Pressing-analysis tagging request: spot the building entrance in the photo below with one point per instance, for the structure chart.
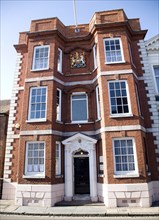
(81, 175)
(80, 167)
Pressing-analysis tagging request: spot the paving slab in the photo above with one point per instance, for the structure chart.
(67, 210)
(144, 211)
(11, 208)
(30, 210)
(90, 210)
(116, 211)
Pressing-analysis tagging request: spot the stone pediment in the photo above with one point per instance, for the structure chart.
(78, 137)
(153, 43)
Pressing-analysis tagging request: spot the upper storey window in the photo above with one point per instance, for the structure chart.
(37, 104)
(95, 56)
(79, 107)
(119, 100)
(59, 61)
(113, 50)
(58, 104)
(156, 74)
(98, 103)
(41, 58)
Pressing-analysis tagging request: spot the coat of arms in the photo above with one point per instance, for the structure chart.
(78, 60)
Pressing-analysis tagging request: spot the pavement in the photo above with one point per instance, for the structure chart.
(8, 207)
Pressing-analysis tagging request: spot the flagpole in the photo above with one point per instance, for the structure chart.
(75, 16)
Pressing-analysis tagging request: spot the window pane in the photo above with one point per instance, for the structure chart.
(76, 97)
(118, 167)
(156, 71)
(117, 143)
(58, 159)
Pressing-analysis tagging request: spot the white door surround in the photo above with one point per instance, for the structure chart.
(72, 145)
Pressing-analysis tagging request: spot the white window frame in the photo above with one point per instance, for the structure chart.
(121, 50)
(122, 174)
(33, 64)
(138, 101)
(58, 111)
(130, 53)
(128, 114)
(98, 103)
(59, 62)
(58, 163)
(33, 174)
(95, 55)
(154, 76)
(79, 93)
(29, 113)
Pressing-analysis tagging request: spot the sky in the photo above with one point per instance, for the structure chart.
(16, 16)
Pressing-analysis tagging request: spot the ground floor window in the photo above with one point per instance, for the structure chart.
(58, 158)
(124, 156)
(35, 158)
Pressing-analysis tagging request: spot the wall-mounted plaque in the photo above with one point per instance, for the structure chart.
(78, 60)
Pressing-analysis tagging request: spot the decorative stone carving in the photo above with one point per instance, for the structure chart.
(78, 59)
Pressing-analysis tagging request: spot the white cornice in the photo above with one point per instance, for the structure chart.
(72, 83)
(99, 131)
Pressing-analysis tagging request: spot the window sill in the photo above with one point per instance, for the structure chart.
(79, 122)
(119, 176)
(36, 120)
(59, 122)
(142, 117)
(37, 70)
(94, 69)
(121, 116)
(99, 119)
(60, 72)
(110, 63)
(33, 176)
(148, 174)
(59, 176)
(101, 175)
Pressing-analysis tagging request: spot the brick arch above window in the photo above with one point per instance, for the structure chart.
(79, 88)
(81, 48)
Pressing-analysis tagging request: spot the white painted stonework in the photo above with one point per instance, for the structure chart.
(150, 58)
(140, 194)
(39, 195)
(10, 133)
(33, 194)
(72, 145)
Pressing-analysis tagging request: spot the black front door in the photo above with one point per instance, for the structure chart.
(81, 174)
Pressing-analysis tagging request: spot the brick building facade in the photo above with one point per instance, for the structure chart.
(79, 118)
